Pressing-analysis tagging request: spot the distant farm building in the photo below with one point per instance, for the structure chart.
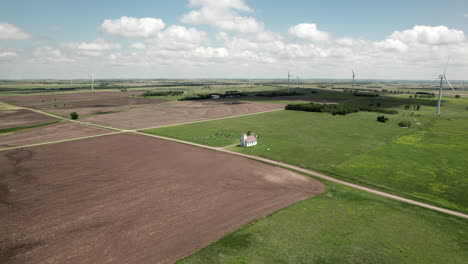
(248, 140)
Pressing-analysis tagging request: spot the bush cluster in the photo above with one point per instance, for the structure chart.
(378, 110)
(276, 94)
(382, 119)
(162, 93)
(415, 107)
(333, 109)
(74, 115)
(366, 94)
(424, 95)
(404, 124)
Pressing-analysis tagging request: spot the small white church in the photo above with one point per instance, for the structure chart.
(248, 141)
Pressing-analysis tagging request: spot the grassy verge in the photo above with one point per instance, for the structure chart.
(14, 129)
(426, 162)
(344, 226)
(7, 107)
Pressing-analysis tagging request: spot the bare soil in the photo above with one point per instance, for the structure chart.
(45, 98)
(80, 100)
(180, 112)
(129, 198)
(85, 111)
(99, 102)
(22, 117)
(53, 132)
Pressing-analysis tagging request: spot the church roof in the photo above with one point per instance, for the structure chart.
(251, 138)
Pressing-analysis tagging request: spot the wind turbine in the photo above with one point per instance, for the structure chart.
(289, 76)
(92, 82)
(442, 77)
(352, 89)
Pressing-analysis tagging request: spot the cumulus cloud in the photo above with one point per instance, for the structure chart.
(392, 45)
(7, 56)
(138, 45)
(308, 31)
(181, 33)
(223, 14)
(44, 54)
(429, 35)
(93, 48)
(9, 31)
(131, 27)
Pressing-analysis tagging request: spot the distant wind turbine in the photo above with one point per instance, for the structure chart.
(442, 77)
(289, 76)
(92, 82)
(352, 89)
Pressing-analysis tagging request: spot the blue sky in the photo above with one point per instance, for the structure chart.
(65, 28)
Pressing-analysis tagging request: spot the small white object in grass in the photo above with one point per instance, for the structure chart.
(268, 148)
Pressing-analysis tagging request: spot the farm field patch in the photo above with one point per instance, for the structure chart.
(430, 164)
(52, 132)
(180, 112)
(132, 198)
(344, 226)
(426, 162)
(23, 118)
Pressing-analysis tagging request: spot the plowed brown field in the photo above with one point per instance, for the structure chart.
(128, 198)
(180, 112)
(22, 117)
(48, 133)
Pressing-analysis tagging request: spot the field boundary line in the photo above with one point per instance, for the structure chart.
(60, 141)
(207, 120)
(319, 175)
(71, 120)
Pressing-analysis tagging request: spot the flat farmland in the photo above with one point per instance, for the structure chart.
(25, 100)
(132, 199)
(180, 112)
(53, 132)
(23, 117)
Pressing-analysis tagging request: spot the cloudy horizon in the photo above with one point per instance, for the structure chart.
(230, 39)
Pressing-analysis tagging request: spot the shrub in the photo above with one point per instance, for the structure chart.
(74, 115)
(382, 119)
(162, 93)
(457, 96)
(404, 124)
(407, 107)
(333, 109)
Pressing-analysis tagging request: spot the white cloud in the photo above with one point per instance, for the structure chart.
(308, 31)
(223, 14)
(7, 56)
(392, 45)
(45, 54)
(94, 48)
(210, 52)
(181, 33)
(131, 27)
(9, 31)
(429, 35)
(138, 45)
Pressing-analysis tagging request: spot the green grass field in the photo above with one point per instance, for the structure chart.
(344, 226)
(426, 162)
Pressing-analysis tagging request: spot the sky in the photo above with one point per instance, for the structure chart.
(64, 39)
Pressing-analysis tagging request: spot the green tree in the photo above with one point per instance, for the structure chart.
(74, 115)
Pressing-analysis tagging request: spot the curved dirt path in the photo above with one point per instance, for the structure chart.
(322, 176)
